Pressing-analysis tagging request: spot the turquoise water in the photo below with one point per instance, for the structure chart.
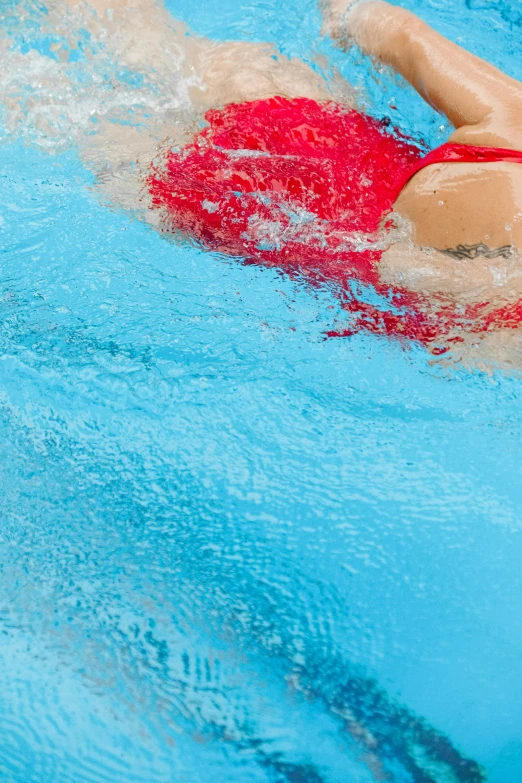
(232, 550)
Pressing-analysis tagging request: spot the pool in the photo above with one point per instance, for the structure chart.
(232, 549)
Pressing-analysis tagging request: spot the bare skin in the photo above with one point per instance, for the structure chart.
(143, 33)
(446, 205)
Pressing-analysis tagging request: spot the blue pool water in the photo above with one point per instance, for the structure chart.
(232, 550)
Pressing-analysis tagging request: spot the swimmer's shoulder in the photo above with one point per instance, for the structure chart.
(452, 204)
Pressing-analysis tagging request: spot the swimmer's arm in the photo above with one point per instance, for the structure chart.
(145, 36)
(479, 100)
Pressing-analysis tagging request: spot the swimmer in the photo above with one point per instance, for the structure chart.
(288, 172)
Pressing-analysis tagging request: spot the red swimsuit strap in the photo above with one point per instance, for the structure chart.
(463, 153)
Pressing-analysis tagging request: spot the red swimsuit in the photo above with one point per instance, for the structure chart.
(305, 187)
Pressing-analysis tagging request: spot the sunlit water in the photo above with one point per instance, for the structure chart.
(231, 549)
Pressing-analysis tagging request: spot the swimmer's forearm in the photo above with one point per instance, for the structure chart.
(125, 19)
(465, 88)
(108, 7)
(144, 34)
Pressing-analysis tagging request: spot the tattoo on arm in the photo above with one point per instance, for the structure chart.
(479, 251)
